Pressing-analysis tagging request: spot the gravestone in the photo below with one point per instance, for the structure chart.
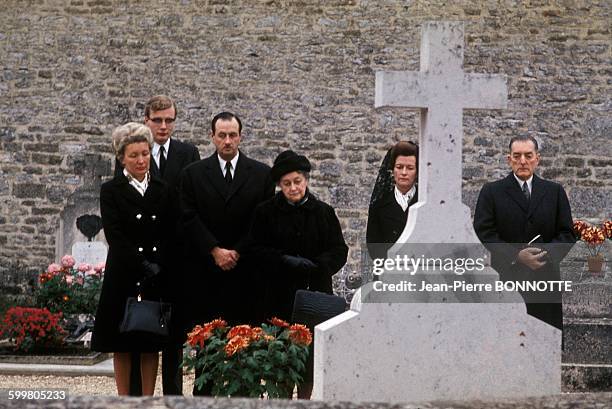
(90, 252)
(84, 201)
(434, 347)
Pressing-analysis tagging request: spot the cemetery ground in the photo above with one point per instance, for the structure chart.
(82, 385)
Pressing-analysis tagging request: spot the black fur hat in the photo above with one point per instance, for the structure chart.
(287, 162)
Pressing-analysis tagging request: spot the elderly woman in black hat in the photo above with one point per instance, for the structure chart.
(297, 240)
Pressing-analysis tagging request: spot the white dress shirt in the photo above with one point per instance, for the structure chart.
(156, 151)
(404, 199)
(233, 162)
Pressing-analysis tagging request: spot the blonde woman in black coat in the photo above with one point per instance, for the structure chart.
(298, 242)
(135, 216)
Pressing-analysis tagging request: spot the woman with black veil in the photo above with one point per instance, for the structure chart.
(394, 192)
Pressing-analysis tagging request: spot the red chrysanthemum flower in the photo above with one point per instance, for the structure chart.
(214, 324)
(300, 334)
(593, 236)
(240, 330)
(579, 226)
(236, 344)
(607, 228)
(198, 336)
(256, 333)
(278, 322)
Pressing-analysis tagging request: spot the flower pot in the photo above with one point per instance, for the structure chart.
(595, 263)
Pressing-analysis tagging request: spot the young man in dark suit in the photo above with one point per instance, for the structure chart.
(513, 211)
(168, 159)
(218, 198)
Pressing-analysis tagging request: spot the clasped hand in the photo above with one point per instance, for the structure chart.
(224, 258)
(532, 257)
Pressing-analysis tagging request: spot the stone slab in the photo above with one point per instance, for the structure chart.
(587, 378)
(86, 359)
(564, 401)
(104, 368)
(91, 252)
(587, 341)
(415, 352)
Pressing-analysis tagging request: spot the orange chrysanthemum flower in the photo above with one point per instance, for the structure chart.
(256, 333)
(300, 334)
(236, 344)
(214, 324)
(240, 330)
(579, 226)
(593, 236)
(198, 336)
(278, 322)
(65, 298)
(607, 228)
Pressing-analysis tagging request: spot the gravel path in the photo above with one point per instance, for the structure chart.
(80, 385)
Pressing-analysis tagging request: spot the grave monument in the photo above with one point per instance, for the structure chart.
(444, 346)
(80, 232)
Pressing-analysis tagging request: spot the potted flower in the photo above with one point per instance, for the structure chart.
(594, 237)
(249, 361)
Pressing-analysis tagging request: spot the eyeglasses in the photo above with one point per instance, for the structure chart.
(158, 121)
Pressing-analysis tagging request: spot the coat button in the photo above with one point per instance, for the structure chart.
(138, 216)
(154, 248)
(140, 249)
(153, 217)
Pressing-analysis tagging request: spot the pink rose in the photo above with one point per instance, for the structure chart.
(99, 268)
(67, 261)
(68, 279)
(80, 280)
(83, 267)
(54, 268)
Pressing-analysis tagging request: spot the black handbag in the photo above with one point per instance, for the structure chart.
(313, 307)
(151, 317)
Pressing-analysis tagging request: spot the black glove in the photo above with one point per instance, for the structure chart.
(299, 264)
(150, 269)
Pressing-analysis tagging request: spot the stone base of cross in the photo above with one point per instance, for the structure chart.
(422, 352)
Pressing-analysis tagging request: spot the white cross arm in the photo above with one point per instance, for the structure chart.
(427, 90)
(484, 91)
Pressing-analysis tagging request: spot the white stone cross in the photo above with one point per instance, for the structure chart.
(418, 351)
(441, 90)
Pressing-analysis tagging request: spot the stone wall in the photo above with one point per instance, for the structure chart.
(301, 75)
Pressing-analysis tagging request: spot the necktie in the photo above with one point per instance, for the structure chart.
(526, 191)
(228, 172)
(162, 160)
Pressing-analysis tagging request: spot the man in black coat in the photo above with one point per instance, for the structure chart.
(512, 212)
(169, 157)
(218, 198)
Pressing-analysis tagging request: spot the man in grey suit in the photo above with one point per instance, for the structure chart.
(512, 212)
(169, 157)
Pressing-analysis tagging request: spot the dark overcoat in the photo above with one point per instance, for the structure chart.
(310, 230)
(386, 223)
(180, 154)
(136, 228)
(217, 214)
(505, 221)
